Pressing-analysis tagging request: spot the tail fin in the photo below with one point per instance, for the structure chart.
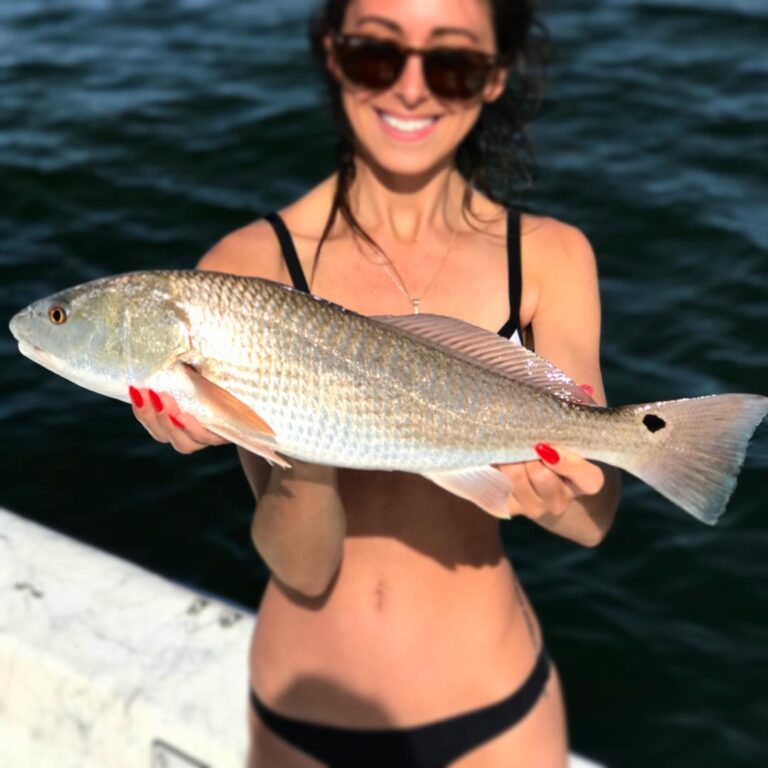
(696, 461)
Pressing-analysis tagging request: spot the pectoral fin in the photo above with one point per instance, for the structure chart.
(487, 487)
(232, 419)
(250, 443)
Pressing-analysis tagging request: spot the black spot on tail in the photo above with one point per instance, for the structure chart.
(654, 423)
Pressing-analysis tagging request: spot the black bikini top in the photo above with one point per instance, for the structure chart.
(514, 269)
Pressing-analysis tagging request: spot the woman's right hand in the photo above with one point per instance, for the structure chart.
(159, 414)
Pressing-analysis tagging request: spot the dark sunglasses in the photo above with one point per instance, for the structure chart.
(450, 73)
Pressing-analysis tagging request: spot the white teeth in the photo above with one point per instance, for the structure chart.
(407, 126)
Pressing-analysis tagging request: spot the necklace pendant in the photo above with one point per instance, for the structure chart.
(415, 303)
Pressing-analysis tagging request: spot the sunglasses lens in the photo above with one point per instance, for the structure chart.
(368, 62)
(456, 74)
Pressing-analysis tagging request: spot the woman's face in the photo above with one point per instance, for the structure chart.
(406, 129)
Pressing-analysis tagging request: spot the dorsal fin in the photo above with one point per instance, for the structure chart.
(489, 351)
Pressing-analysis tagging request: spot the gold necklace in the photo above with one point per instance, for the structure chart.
(396, 278)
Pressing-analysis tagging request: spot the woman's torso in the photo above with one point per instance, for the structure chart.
(425, 600)
(424, 604)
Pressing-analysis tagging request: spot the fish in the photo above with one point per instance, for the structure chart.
(288, 375)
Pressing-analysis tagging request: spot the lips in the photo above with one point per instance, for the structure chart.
(406, 128)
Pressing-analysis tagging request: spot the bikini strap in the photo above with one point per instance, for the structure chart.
(514, 274)
(290, 256)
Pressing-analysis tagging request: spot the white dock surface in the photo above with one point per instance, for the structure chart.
(105, 665)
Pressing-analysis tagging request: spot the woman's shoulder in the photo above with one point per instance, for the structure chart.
(539, 233)
(254, 249)
(554, 248)
(548, 244)
(559, 274)
(251, 250)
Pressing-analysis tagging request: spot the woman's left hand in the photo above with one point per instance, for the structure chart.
(545, 488)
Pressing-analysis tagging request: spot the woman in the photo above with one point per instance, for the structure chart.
(393, 630)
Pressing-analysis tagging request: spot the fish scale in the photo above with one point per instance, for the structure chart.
(285, 374)
(387, 413)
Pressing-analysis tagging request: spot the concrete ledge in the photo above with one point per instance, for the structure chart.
(100, 659)
(106, 665)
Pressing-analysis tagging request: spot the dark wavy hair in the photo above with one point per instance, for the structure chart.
(496, 156)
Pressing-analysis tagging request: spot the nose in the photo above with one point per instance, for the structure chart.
(411, 88)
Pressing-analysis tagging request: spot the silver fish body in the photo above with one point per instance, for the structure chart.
(287, 374)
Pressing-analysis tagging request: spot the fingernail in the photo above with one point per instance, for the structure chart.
(588, 388)
(176, 422)
(157, 403)
(136, 397)
(547, 453)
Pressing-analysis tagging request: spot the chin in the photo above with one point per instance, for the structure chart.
(399, 164)
(412, 162)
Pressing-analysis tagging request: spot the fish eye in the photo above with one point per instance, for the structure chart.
(57, 314)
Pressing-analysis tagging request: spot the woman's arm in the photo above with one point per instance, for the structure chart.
(571, 496)
(299, 521)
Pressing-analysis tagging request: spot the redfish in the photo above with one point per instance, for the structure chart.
(288, 375)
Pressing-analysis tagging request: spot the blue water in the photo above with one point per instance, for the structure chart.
(135, 134)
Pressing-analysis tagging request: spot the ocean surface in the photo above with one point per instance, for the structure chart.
(135, 134)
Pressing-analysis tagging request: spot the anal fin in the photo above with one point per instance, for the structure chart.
(487, 487)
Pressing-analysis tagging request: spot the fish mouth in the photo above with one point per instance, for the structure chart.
(27, 348)
(34, 353)
(50, 362)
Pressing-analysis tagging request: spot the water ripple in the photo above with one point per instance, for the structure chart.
(134, 134)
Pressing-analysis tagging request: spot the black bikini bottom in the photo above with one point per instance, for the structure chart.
(433, 745)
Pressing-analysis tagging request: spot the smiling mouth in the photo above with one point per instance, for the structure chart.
(409, 126)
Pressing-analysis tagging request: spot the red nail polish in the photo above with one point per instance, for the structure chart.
(136, 397)
(588, 388)
(176, 422)
(547, 453)
(157, 403)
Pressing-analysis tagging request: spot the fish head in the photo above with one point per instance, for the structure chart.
(102, 335)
